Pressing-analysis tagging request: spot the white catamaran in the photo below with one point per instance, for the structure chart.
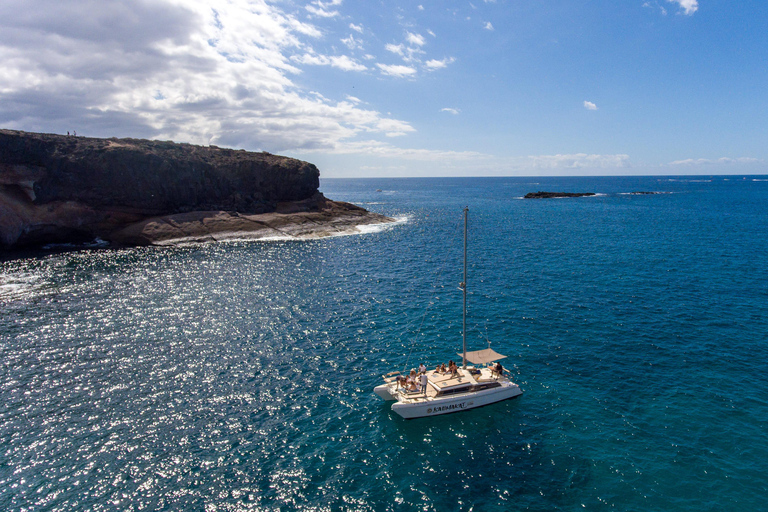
(463, 388)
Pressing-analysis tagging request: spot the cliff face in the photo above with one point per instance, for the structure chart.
(56, 188)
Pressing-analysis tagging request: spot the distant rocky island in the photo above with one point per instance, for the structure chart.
(550, 195)
(66, 189)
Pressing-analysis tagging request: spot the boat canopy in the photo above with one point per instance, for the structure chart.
(487, 355)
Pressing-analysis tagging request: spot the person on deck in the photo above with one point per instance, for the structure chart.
(424, 381)
(411, 381)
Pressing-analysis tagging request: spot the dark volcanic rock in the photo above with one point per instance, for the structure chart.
(56, 188)
(314, 218)
(549, 195)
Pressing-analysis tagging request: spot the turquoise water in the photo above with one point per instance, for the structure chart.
(239, 376)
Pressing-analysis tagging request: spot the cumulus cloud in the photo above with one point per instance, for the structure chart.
(488, 26)
(688, 6)
(200, 71)
(438, 64)
(398, 49)
(453, 111)
(346, 63)
(415, 39)
(589, 105)
(393, 128)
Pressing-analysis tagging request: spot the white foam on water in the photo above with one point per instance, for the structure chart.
(16, 286)
(362, 229)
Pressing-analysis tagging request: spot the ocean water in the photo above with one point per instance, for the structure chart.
(239, 376)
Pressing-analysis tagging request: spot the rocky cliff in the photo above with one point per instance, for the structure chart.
(57, 188)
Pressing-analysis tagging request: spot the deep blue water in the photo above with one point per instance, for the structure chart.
(239, 376)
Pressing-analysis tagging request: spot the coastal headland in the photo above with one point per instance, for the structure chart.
(66, 189)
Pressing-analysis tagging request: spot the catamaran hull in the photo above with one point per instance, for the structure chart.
(383, 391)
(438, 406)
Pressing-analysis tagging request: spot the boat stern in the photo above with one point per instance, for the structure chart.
(384, 392)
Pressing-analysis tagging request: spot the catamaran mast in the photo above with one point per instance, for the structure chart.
(464, 288)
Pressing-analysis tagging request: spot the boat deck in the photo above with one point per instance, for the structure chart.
(442, 381)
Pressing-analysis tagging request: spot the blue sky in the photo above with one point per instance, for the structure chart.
(405, 88)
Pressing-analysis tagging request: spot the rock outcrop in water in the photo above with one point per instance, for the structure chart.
(64, 189)
(549, 195)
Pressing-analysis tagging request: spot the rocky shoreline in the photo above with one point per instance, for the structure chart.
(57, 189)
(324, 218)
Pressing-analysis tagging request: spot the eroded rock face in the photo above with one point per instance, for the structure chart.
(56, 188)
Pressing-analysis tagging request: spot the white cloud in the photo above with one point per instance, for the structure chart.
(346, 63)
(398, 49)
(589, 105)
(689, 6)
(397, 70)
(415, 39)
(408, 53)
(352, 43)
(488, 26)
(453, 111)
(199, 71)
(717, 161)
(393, 127)
(323, 9)
(411, 52)
(578, 161)
(386, 150)
(342, 62)
(356, 28)
(438, 64)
